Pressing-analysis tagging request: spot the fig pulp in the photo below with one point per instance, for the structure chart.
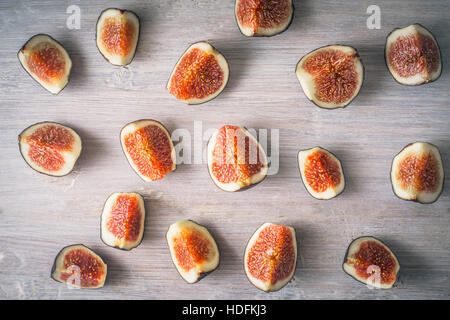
(200, 74)
(122, 222)
(263, 17)
(417, 173)
(149, 149)
(117, 35)
(412, 55)
(46, 61)
(80, 267)
(370, 261)
(321, 173)
(193, 250)
(331, 76)
(236, 160)
(270, 257)
(50, 148)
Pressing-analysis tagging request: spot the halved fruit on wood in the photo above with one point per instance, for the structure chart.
(270, 256)
(117, 35)
(321, 173)
(371, 262)
(193, 250)
(149, 149)
(46, 61)
(417, 173)
(263, 17)
(236, 159)
(200, 74)
(50, 148)
(122, 222)
(412, 55)
(79, 267)
(331, 76)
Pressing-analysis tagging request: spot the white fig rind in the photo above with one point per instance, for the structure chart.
(350, 270)
(136, 125)
(266, 32)
(124, 15)
(209, 49)
(70, 157)
(256, 178)
(110, 239)
(199, 270)
(268, 286)
(330, 192)
(34, 43)
(307, 80)
(418, 78)
(411, 193)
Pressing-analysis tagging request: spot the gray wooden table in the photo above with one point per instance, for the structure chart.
(41, 214)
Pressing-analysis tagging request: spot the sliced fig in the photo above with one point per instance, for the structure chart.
(270, 256)
(50, 148)
(122, 222)
(331, 76)
(412, 55)
(417, 173)
(46, 61)
(79, 267)
(263, 17)
(193, 250)
(236, 160)
(321, 173)
(149, 149)
(200, 74)
(370, 261)
(117, 35)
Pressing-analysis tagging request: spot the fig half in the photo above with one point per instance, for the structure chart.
(331, 76)
(149, 149)
(321, 173)
(46, 61)
(236, 160)
(412, 55)
(270, 257)
(417, 173)
(50, 148)
(193, 250)
(371, 262)
(200, 74)
(117, 35)
(79, 267)
(263, 17)
(122, 221)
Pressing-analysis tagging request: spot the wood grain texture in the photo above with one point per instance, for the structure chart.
(40, 214)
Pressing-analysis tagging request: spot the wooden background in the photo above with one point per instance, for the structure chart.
(40, 214)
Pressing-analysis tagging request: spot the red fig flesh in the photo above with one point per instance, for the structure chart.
(193, 250)
(46, 61)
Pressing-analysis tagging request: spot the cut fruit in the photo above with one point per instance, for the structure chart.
(149, 149)
(193, 250)
(117, 35)
(123, 220)
(50, 148)
(371, 262)
(412, 55)
(46, 61)
(263, 17)
(270, 256)
(321, 173)
(236, 160)
(79, 267)
(417, 173)
(200, 74)
(331, 76)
